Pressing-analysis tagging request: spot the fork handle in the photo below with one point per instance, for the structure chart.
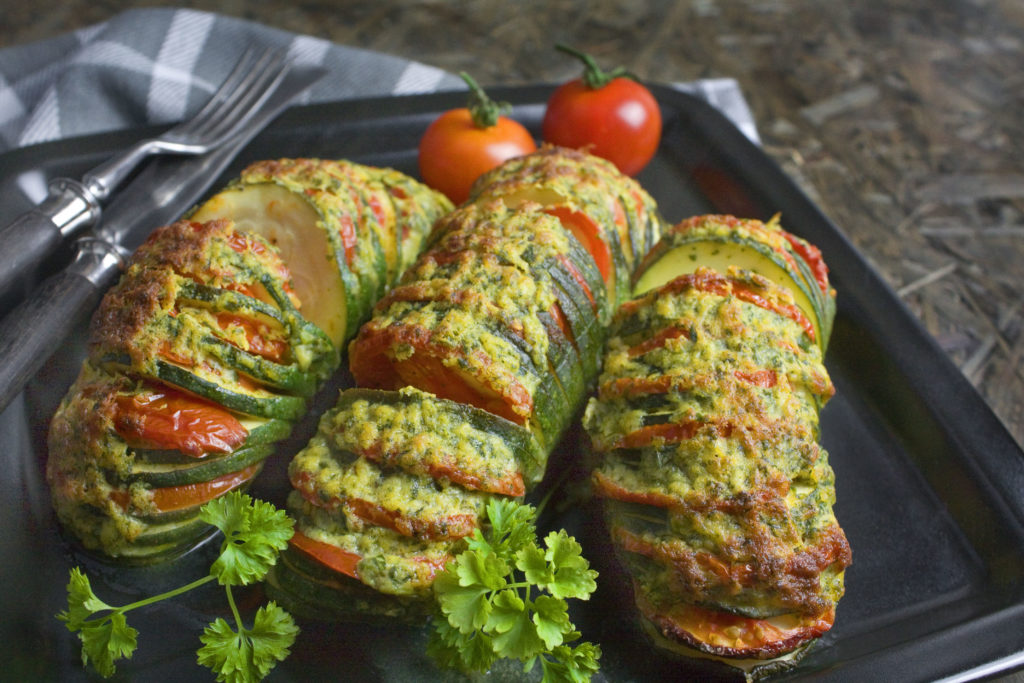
(68, 209)
(103, 179)
(34, 330)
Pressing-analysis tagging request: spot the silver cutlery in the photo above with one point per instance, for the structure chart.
(72, 206)
(157, 195)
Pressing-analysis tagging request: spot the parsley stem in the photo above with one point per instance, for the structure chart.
(164, 596)
(234, 608)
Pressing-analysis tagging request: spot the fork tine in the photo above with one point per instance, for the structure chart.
(241, 71)
(255, 92)
(249, 84)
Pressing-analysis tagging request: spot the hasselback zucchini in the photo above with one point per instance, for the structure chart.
(716, 492)
(346, 230)
(161, 419)
(206, 351)
(470, 369)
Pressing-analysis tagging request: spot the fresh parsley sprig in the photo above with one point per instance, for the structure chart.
(506, 596)
(255, 532)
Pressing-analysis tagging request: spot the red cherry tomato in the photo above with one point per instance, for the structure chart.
(462, 144)
(609, 115)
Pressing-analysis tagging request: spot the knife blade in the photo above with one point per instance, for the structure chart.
(157, 195)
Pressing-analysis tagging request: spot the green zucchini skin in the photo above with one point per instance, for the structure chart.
(371, 221)
(201, 359)
(211, 467)
(313, 592)
(263, 403)
(361, 260)
(705, 433)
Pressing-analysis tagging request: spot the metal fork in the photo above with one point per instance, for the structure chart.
(72, 206)
(245, 88)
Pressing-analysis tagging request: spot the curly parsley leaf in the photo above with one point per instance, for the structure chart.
(454, 650)
(254, 533)
(82, 601)
(486, 606)
(107, 640)
(248, 654)
(573, 577)
(466, 607)
(571, 664)
(551, 615)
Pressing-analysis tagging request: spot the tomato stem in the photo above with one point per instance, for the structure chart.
(483, 109)
(593, 76)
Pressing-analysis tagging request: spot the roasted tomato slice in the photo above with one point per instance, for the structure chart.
(171, 498)
(326, 554)
(189, 495)
(730, 635)
(259, 339)
(168, 419)
(588, 232)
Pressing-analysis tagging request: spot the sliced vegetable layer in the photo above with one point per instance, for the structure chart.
(717, 494)
(475, 320)
(347, 230)
(718, 242)
(206, 351)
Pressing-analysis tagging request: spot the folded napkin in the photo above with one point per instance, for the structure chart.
(156, 66)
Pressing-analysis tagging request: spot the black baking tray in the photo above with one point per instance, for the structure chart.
(930, 484)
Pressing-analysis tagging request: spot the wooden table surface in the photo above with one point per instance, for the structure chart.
(902, 119)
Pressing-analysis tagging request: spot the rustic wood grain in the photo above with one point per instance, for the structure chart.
(902, 118)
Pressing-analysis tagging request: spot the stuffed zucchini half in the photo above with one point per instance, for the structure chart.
(716, 492)
(206, 351)
(469, 371)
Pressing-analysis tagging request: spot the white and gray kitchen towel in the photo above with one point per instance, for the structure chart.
(156, 66)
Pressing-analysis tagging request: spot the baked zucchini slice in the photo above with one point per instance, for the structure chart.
(424, 434)
(381, 558)
(413, 505)
(302, 581)
(526, 238)
(271, 202)
(366, 221)
(195, 471)
(718, 242)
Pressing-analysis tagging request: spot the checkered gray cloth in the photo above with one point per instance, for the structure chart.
(156, 66)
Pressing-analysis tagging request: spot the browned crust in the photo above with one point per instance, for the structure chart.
(757, 560)
(669, 624)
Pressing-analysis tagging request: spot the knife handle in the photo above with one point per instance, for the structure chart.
(36, 234)
(35, 329)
